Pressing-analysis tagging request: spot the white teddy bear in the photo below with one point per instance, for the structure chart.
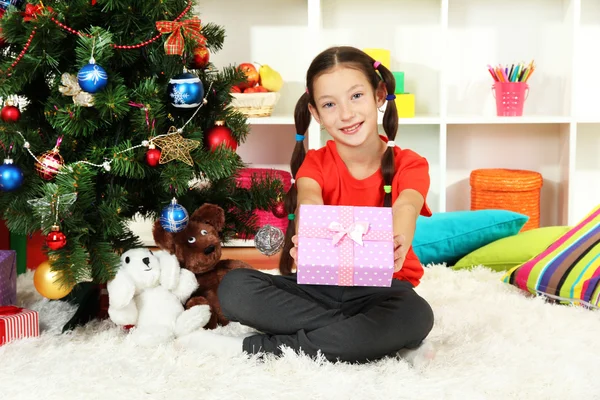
(148, 292)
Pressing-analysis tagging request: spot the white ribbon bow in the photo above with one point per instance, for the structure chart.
(355, 231)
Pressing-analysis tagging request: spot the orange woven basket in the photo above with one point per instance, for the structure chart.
(508, 189)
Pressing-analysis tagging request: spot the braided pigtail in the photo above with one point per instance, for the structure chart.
(302, 119)
(390, 126)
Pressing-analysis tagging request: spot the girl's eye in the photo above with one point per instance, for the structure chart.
(204, 232)
(327, 105)
(357, 95)
(191, 239)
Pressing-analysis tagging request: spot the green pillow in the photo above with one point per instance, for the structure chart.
(446, 237)
(509, 252)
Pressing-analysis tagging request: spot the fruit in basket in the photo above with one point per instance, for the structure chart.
(251, 75)
(236, 89)
(260, 89)
(200, 58)
(270, 79)
(250, 90)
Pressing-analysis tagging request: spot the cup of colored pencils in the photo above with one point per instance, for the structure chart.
(510, 87)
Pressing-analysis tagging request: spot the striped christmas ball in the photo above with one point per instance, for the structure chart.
(49, 164)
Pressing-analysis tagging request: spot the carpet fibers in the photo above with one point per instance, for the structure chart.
(491, 342)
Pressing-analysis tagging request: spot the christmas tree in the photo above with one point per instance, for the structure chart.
(111, 108)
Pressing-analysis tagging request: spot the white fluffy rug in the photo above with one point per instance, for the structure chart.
(491, 342)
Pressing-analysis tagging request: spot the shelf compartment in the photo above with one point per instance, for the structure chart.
(587, 86)
(425, 141)
(405, 28)
(586, 185)
(536, 147)
(262, 32)
(482, 33)
(268, 147)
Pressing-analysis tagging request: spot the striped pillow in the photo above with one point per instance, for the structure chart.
(568, 271)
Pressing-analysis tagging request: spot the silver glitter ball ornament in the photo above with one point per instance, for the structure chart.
(269, 240)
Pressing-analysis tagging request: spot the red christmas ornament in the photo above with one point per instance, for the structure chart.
(49, 164)
(152, 156)
(278, 209)
(200, 58)
(56, 239)
(10, 113)
(220, 135)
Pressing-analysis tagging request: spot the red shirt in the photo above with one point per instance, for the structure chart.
(339, 187)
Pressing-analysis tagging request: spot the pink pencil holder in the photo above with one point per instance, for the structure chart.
(510, 97)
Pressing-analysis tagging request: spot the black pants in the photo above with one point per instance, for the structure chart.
(352, 324)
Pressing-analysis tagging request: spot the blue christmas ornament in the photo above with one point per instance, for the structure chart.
(185, 91)
(174, 217)
(11, 176)
(4, 4)
(92, 78)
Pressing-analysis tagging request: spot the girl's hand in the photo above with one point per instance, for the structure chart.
(294, 250)
(399, 252)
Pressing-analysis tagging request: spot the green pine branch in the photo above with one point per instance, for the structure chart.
(132, 109)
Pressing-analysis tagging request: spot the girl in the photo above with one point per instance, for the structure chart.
(345, 88)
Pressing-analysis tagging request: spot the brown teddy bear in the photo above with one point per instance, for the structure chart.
(198, 249)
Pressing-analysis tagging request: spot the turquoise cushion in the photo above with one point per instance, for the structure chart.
(447, 237)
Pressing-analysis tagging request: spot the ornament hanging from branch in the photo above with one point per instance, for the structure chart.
(173, 146)
(269, 240)
(174, 217)
(4, 4)
(49, 163)
(185, 90)
(91, 77)
(52, 206)
(11, 176)
(70, 87)
(10, 112)
(220, 135)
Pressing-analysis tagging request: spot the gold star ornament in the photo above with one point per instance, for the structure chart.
(175, 147)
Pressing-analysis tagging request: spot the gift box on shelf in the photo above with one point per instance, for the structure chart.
(384, 56)
(17, 323)
(405, 104)
(345, 246)
(399, 78)
(8, 277)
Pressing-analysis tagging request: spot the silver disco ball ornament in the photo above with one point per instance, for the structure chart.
(269, 240)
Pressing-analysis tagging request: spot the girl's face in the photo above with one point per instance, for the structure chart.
(346, 105)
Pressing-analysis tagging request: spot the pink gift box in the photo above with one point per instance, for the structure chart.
(345, 246)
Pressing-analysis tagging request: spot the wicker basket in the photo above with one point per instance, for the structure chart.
(254, 105)
(244, 180)
(508, 189)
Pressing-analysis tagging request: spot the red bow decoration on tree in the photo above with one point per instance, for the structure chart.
(32, 12)
(175, 43)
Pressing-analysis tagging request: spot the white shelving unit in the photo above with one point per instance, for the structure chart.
(444, 46)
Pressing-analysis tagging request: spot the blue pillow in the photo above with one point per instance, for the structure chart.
(449, 236)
